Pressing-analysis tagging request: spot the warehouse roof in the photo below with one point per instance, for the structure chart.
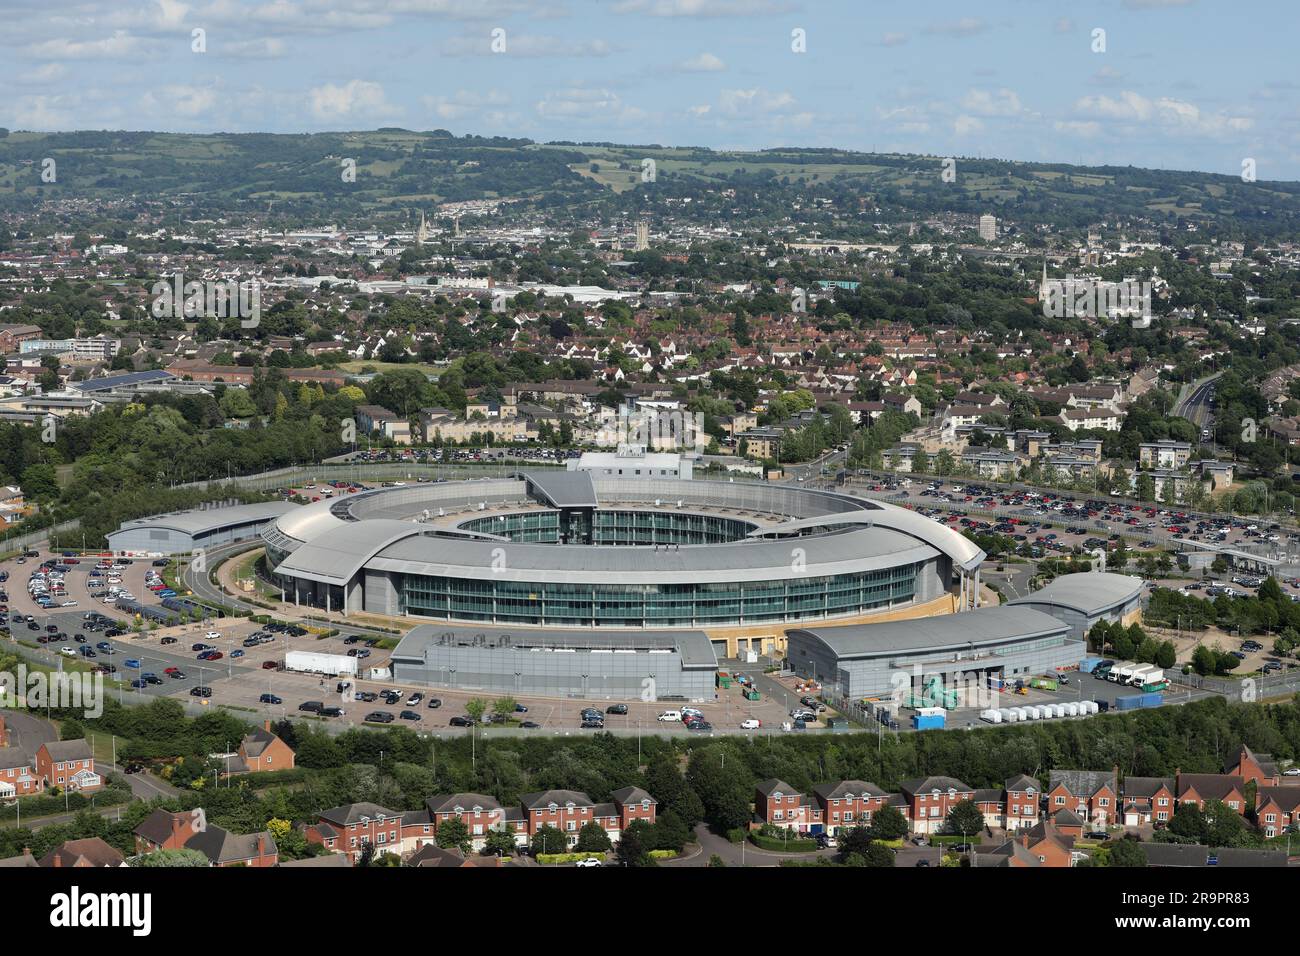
(969, 629)
(694, 646)
(1088, 592)
(205, 520)
(109, 382)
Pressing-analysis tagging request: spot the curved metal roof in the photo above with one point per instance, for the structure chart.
(860, 536)
(206, 520)
(965, 553)
(947, 632)
(1088, 592)
(855, 550)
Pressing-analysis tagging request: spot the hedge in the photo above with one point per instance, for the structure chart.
(783, 846)
(568, 857)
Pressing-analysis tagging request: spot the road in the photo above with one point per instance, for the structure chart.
(1197, 408)
(735, 854)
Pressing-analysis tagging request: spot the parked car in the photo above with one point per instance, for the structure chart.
(670, 715)
(751, 723)
(409, 715)
(379, 717)
(311, 706)
(269, 699)
(589, 861)
(434, 703)
(616, 709)
(200, 691)
(460, 722)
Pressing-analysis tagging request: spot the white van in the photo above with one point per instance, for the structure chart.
(671, 715)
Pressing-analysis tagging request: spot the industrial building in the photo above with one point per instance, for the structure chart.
(183, 531)
(877, 660)
(658, 665)
(1081, 600)
(573, 549)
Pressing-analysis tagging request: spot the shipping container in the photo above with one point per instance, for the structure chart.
(1043, 683)
(928, 721)
(1088, 664)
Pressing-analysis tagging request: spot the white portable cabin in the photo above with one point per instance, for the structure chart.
(991, 716)
(1071, 709)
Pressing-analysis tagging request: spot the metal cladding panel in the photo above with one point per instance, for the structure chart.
(381, 593)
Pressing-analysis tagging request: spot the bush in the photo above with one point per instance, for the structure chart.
(792, 845)
(567, 857)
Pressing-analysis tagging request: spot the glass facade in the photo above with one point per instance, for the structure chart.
(624, 527)
(656, 605)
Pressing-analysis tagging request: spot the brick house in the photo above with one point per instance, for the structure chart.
(223, 848)
(781, 805)
(186, 830)
(1092, 794)
(1022, 802)
(1046, 842)
(992, 803)
(1260, 769)
(83, 854)
(571, 810)
(634, 804)
(479, 812)
(1147, 800)
(849, 803)
(1200, 788)
(69, 765)
(162, 830)
(349, 828)
(17, 775)
(1041, 845)
(930, 798)
(1277, 808)
(262, 752)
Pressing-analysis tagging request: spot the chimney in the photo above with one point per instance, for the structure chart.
(176, 827)
(266, 725)
(58, 859)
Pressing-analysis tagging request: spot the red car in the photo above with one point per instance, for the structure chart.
(269, 665)
(171, 670)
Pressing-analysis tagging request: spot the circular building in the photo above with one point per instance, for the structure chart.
(569, 551)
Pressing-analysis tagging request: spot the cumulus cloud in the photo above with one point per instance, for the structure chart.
(704, 63)
(586, 105)
(1001, 102)
(1165, 112)
(360, 100)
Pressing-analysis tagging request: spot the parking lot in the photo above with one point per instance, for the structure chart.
(242, 675)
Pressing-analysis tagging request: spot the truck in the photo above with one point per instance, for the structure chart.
(1102, 671)
(1121, 672)
(1145, 673)
(312, 662)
